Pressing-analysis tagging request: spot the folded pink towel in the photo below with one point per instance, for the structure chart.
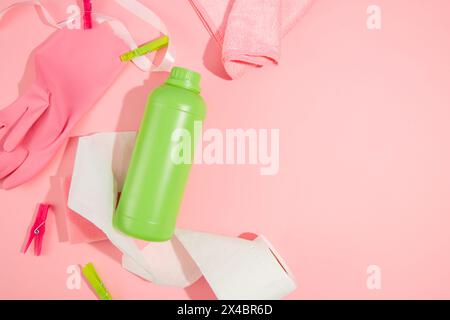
(249, 31)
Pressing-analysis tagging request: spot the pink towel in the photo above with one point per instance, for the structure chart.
(249, 31)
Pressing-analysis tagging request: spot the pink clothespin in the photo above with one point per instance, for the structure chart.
(87, 16)
(38, 229)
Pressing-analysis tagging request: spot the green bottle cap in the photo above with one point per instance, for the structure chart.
(185, 78)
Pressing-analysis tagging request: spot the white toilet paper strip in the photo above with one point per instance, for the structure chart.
(235, 268)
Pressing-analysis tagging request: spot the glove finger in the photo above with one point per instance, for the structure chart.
(34, 163)
(35, 102)
(10, 161)
(10, 115)
(20, 130)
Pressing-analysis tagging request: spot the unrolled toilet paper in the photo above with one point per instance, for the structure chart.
(235, 268)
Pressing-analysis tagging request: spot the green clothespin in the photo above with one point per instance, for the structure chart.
(96, 282)
(146, 48)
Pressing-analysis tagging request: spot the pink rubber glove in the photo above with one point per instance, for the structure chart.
(74, 68)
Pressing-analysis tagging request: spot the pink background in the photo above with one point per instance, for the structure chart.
(364, 153)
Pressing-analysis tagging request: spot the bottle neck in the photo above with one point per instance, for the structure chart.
(184, 78)
(181, 85)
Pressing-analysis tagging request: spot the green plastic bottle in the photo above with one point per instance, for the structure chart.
(155, 183)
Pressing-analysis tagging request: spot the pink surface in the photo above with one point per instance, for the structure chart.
(364, 153)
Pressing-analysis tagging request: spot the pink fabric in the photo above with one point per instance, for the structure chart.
(249, 31)
(71, 226)
(80, 230)
(74, 68)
